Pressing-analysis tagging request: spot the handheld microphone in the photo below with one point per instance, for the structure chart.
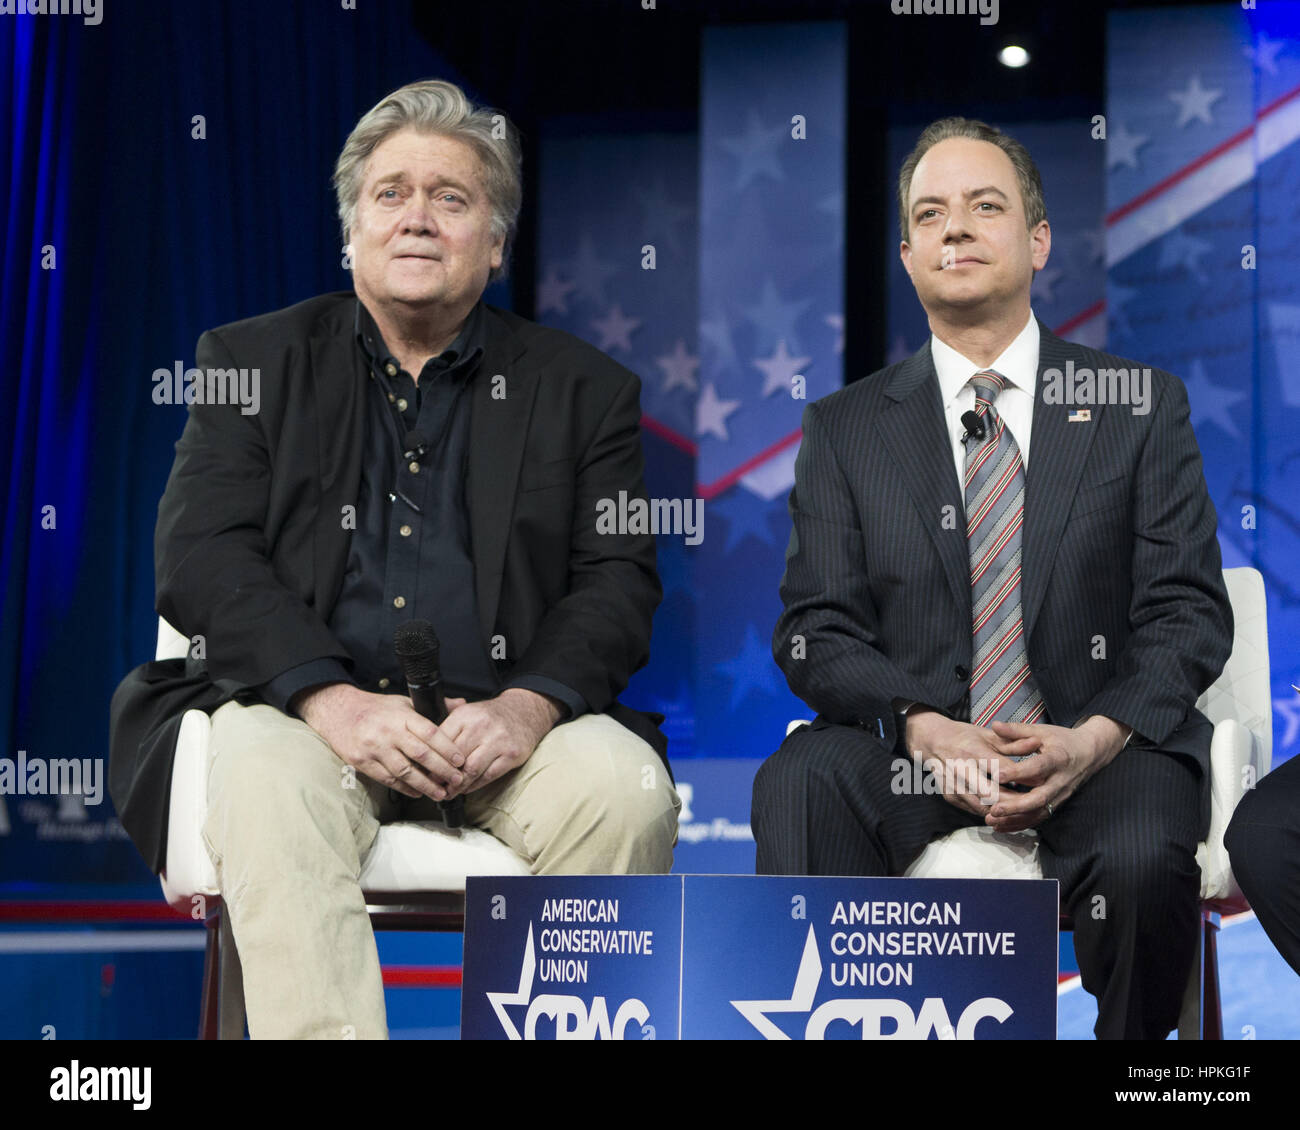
(416, 645)
(974, 426)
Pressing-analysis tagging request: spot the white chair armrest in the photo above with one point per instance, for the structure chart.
(189, 870)
(424, 856)
(978, 853)
(1234, 766)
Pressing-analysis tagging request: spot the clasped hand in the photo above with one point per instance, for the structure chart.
(976, 764)
(384, 737)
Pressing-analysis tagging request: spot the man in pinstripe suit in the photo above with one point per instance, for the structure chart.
(1035, 633)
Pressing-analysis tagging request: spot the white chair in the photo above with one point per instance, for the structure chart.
(1241, 751)
(413, 877)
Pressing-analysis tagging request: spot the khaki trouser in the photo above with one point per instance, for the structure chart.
(288, 841)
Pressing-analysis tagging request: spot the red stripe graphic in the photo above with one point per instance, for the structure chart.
(1200, 162)
(421, 976)
(664, 432)
(715, 488)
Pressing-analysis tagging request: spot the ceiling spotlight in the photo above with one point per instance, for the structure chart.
(1013, 56)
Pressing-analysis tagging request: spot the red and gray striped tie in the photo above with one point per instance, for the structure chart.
(1001, 687)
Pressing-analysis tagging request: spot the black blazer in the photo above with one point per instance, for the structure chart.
(1125, 609)
(251, 547)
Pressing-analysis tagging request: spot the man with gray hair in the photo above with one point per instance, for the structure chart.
(418, 455)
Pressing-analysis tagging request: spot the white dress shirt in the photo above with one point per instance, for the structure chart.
(1018, 365)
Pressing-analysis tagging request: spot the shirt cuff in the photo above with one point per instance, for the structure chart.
(1117, 722)
(576, 704)
(313, 673)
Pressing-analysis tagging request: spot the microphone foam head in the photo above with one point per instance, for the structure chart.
(416, 645)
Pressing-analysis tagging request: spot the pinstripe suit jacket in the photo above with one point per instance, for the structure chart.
(1124, 605)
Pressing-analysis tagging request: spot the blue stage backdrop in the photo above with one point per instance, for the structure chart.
(1203, 237)
(772, 137)
(619, 270)
(711, 263)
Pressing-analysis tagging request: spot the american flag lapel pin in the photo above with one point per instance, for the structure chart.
(1080, 415)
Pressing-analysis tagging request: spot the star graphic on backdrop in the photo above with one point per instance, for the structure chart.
(589, 272)
(1210, 402)
(1289, 709)
(615, 329)
(1043, 287)
(1182, 250)
(1122, 147)
(836, 322)
(746, 516)
(775, 319)
(1264, 53)
(661, 215)
(1095, 243)
(679, 368)
(755, 149)
(553, 293)
(1195, 102)
(1117, 297)
(780, 369)
(716, 332)
(711, 413)
(751, 670)
(898, 351)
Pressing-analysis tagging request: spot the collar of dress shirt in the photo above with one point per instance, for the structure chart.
(1018, 363)
(466, 348)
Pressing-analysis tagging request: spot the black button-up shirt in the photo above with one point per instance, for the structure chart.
(410, 550)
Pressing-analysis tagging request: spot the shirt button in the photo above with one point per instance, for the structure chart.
(399, 602)
(402, 404)
(413, 467)
(405, 531)
(390, 369)
(383, 683)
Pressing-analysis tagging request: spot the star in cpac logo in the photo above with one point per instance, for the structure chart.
(869, 1012)
(572, 1017)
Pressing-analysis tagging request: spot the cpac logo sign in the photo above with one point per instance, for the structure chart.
(572, 1018)
(870, 1013)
